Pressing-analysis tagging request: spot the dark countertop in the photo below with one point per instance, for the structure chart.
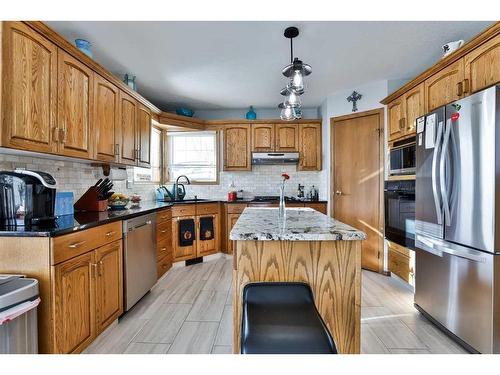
(84, 220)
(81, 220)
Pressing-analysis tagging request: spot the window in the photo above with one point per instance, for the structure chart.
(193, 154)
(152, 174)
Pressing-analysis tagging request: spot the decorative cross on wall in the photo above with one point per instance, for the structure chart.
(354, 97)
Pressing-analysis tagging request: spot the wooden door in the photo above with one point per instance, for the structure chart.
(414, 108)
(231, 220)
(74, 301)
(29, 100)
(395, 112)
(74, 107)
(287, 137)
(309, 147)
(262, 137)
(182, 252)
(445, 86)
(237, 144)
(106, 120)
(144, 119)
(357, 154)
(209, 246)
(109, 285)
(128, 129)
(482, 66)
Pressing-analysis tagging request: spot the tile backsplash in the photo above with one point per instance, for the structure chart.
(78, 176)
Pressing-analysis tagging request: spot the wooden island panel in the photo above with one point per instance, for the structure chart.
(331, 268)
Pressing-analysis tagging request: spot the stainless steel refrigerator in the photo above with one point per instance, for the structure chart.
(457, 219)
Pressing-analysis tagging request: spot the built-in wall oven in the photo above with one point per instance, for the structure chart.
(399, 199)
(402, 157)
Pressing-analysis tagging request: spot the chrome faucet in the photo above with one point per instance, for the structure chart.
(176, 187)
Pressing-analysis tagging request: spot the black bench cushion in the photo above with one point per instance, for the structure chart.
(281, 318)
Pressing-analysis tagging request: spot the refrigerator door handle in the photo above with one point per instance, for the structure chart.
(458, 253)
(442, 176)
(435, 192)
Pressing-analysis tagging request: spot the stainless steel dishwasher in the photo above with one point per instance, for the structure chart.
(139, 246)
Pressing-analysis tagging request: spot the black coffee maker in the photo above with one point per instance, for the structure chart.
(27, 198)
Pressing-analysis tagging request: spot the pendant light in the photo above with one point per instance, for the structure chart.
(295, 71)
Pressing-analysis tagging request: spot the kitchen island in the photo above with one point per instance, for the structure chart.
(307, 246)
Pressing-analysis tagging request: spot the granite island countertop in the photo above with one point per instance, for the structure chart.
(301, 224)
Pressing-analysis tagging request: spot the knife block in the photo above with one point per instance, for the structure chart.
(89, 201)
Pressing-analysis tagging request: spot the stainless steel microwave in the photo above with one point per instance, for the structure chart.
(402, 157)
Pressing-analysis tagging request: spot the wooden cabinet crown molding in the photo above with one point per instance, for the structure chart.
(483, 37)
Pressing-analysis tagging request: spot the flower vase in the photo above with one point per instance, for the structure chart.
(282, 202)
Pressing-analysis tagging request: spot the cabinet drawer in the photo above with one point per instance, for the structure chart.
(163, 265)
(164, 231)
(163, 215)
(235, 208)
(207, 208)
(163, 248)
(70, 245)
(401, 265)
(184, 210)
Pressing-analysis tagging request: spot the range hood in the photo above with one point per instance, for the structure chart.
(270, 158)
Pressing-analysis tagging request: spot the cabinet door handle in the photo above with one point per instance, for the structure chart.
(76, 244)
(460, 89)
(109, 234)
(163, 231)
(99, 268)
(163, 249)
(466, 85)
(117, 149)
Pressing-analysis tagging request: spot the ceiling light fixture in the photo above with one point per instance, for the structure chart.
(296, 71)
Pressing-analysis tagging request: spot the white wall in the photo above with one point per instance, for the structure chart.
(262, 113)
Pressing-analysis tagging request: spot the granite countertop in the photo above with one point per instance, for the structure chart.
(81, 220)
(301, 224)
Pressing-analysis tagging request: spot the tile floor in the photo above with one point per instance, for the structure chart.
(190, 311)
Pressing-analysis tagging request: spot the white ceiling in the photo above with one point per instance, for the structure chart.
(206, 65)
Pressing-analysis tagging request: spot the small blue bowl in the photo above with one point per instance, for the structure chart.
(184, 112)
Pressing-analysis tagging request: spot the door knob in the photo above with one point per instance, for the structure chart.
(338, 192)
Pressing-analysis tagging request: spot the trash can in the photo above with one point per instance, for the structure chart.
(19, 299)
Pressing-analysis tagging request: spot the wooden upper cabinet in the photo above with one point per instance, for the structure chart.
(413, 108)
(74, 301)
(482, 66)
(128, 129)
(262, 137)
(309, 147)
(395, 113)
(287, 137)
(237, 144)
(109, 285)
(29, 89)
(445, 86)
(106, 120)
(74, 107)
(144, 123)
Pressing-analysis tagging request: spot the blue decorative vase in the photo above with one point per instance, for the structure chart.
(251, 115)
(84, 46)
(129, 80)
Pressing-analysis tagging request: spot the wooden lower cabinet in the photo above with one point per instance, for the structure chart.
(164, 250)
(231, 220)
(402, 262)
(88, 296)
(318, 206)
(182, 252)
(109, 286)
(207, 247)
(75, 303)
